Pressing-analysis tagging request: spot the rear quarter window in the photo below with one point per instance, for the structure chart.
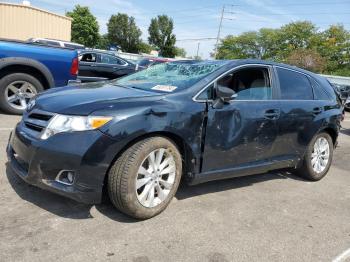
(294, 85)
(319, 92)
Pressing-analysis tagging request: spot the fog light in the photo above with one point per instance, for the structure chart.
(66, 177)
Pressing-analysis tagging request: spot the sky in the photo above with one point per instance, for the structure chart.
(198, 19)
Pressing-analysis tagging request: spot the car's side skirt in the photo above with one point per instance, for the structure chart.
(245, 170)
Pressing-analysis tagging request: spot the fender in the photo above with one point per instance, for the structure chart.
(134, 123)
(9, 61)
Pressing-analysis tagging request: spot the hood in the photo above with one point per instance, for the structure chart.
(87, 98)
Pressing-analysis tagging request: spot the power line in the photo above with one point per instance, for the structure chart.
(255, 20)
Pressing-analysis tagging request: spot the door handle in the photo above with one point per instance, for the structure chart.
(317, 110)
(272, 114)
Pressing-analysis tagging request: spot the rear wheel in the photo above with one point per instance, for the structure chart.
(318, 158)
(16, 90)
(145, 177)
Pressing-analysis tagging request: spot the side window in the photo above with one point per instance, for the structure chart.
(294, 86)
(319, 93)
(249, 83)
(108, 59)
(88, 57)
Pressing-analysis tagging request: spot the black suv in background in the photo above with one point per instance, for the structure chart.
(196, 120)
(99, 66)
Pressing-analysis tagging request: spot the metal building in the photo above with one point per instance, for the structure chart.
(22, 21)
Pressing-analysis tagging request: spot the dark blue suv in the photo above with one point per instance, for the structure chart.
(199, 120)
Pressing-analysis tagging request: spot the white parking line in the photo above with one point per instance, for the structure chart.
(343, 256)
(6, 128)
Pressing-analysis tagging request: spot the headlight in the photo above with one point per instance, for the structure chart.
(62, 123)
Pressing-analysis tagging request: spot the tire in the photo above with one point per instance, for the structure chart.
(122, 177)
(6, 81)
(307, 170)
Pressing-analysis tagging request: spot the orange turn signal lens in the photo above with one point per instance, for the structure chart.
(96, 122)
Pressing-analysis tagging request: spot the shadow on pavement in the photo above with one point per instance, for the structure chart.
(61, 206)
(53, 203)
(67, 208)
(186, 191)
(345, 131)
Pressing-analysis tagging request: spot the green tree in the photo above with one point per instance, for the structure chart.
(181, 52)
(238, 47)
(144, 48)
(308, 59)
(253, 44)
(84, 26)
(103, 42)
(335, 47)
(123, 31)
(161, 35)
(298, 43)
(268, 43)
(295, 35)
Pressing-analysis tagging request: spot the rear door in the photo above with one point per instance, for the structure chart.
(112, 67)
(300, 117)
(243, 132)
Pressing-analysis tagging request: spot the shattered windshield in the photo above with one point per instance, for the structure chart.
(171, 76)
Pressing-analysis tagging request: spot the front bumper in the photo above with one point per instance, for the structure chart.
(38, 162)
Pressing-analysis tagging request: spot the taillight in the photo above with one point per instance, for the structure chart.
(75, 67)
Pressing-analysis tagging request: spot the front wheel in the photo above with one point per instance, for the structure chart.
(145, 177)
(318, 158)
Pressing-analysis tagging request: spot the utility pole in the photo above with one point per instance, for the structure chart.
(198, 49)
(219, 30)
(223, 12)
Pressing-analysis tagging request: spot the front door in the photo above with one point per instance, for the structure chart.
(87, 65)
(242, 132)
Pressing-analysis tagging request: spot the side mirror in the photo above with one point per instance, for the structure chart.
(225, 94)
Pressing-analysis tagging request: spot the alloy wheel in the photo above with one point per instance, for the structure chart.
(320, 155)
(18, 94)
(155, 178)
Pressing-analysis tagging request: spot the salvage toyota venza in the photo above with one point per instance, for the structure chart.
(195, 120)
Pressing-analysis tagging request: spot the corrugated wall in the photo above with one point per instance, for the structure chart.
(23, 22)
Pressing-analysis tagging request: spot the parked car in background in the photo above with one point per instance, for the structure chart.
(55, 43)
(347, 104)
(150, 61)
(100, 66)
(343, 91)
(26, 70)
(139, 135)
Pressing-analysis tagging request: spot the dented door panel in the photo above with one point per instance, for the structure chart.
(239, 133)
